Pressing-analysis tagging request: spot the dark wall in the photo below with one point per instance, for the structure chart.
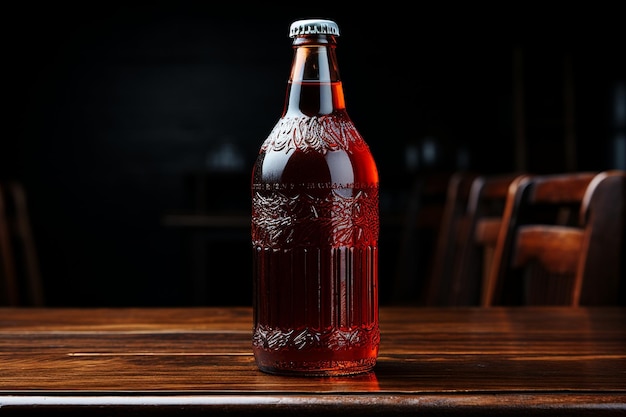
(114, 107)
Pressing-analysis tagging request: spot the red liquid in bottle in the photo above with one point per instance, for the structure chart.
(315, 226)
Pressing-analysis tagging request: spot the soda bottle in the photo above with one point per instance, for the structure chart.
(315, 225)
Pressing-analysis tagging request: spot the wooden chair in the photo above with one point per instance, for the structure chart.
(561, 241)
(449, 239)
(468, 235)
(20, 279)
(420, 228)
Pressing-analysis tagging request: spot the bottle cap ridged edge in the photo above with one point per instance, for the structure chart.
(313, 27)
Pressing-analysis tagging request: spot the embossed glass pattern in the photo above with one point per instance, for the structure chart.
(315, 225)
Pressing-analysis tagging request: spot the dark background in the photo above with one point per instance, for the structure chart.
(114, 111)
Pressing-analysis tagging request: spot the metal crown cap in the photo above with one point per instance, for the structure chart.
(313, 27)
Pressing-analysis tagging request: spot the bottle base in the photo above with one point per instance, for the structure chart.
(309, 352)
(322, 369)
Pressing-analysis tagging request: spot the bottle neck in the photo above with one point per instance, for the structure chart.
(314, 85)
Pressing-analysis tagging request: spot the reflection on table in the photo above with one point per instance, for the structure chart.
(433, 361)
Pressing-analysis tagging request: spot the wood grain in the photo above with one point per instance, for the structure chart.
(495, 360)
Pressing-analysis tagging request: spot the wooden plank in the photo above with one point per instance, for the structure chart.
(499, 360)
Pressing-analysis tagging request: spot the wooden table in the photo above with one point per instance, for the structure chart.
(188, 361)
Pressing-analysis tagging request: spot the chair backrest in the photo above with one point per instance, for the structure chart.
(485, 209)
(8, 281)
(449, 240)
(420, 227)
(561, 241)
(20, 279)
(468, 235)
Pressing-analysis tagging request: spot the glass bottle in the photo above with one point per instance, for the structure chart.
(315, 225)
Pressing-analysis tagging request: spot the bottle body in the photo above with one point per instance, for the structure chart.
(315, 243)
(315, 225)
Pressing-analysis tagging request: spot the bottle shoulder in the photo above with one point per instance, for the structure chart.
(324, 133)
(354, 168)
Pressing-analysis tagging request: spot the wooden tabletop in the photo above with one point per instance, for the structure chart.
(456, 361)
